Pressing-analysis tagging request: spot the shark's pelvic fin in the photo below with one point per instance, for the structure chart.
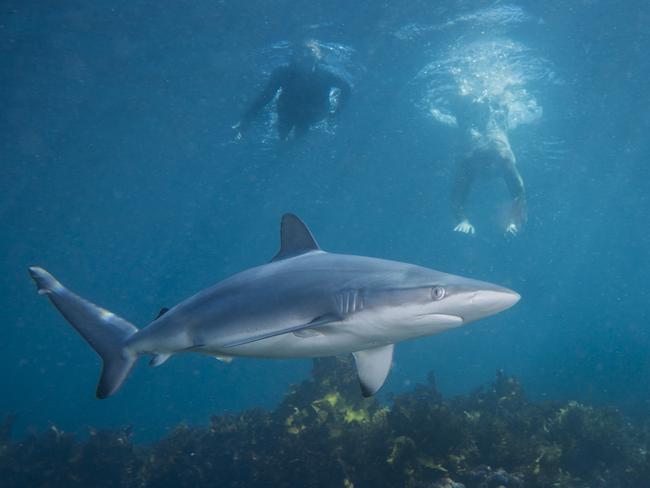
(372, 367)
(159, 359)
(104, 331)
(295, 238)
(306, 333)
(317, 322)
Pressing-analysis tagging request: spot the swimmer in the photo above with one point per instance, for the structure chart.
(305, 87)
(488, 155)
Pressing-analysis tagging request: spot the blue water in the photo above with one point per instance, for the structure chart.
(119, 175)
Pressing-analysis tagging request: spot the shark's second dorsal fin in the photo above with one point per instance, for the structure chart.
(295, 238)
(162, 312)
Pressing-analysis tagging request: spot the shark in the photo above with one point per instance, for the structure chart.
(304, 303)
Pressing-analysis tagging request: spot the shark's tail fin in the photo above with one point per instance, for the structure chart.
(103, 330)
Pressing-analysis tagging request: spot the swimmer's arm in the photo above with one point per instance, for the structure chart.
(345, 89)
(276, 81)
(459, 107)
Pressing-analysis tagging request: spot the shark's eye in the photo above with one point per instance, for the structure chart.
(437, 293)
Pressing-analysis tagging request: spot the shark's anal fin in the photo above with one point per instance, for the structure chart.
(372, 367)
(295, 238)
(159, 359)
(317, 322)
(223, 358)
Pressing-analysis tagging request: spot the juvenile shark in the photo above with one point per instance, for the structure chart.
(305, 303)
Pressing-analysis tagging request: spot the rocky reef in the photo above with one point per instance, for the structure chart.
(325, 434)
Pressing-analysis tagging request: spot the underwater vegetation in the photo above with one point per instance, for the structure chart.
(324, 433)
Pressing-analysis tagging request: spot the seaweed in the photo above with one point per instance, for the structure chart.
(324, 433)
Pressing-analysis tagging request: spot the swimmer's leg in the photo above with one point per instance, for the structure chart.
(515, 185)
(463, 180)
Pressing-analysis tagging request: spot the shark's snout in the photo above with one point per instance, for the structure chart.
(489, 302)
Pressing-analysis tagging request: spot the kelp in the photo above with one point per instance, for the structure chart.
(324, 433)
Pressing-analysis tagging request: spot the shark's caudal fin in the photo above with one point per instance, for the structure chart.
(103, 330)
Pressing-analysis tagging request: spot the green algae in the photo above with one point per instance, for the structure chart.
(324, 433)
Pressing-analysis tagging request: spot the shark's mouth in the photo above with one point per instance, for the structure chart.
(441, 319)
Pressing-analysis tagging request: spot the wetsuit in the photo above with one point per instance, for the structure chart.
(304, 98)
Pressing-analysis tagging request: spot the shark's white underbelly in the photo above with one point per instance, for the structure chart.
(365, 332)
(293, 346)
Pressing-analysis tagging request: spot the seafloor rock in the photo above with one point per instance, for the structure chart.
(324, 433)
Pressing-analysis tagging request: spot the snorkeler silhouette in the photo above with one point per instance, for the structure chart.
(305, 94)
(484, 125)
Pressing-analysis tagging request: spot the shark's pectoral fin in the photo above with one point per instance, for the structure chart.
(317, 322)
(295, 238)
(159, 359)
(372, 367)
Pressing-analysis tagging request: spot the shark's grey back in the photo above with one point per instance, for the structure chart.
(300, 286)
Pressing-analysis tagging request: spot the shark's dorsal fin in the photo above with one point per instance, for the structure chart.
(295, 238)
(372, 367)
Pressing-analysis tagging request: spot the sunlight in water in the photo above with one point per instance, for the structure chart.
(495, 72)
(492, 69)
